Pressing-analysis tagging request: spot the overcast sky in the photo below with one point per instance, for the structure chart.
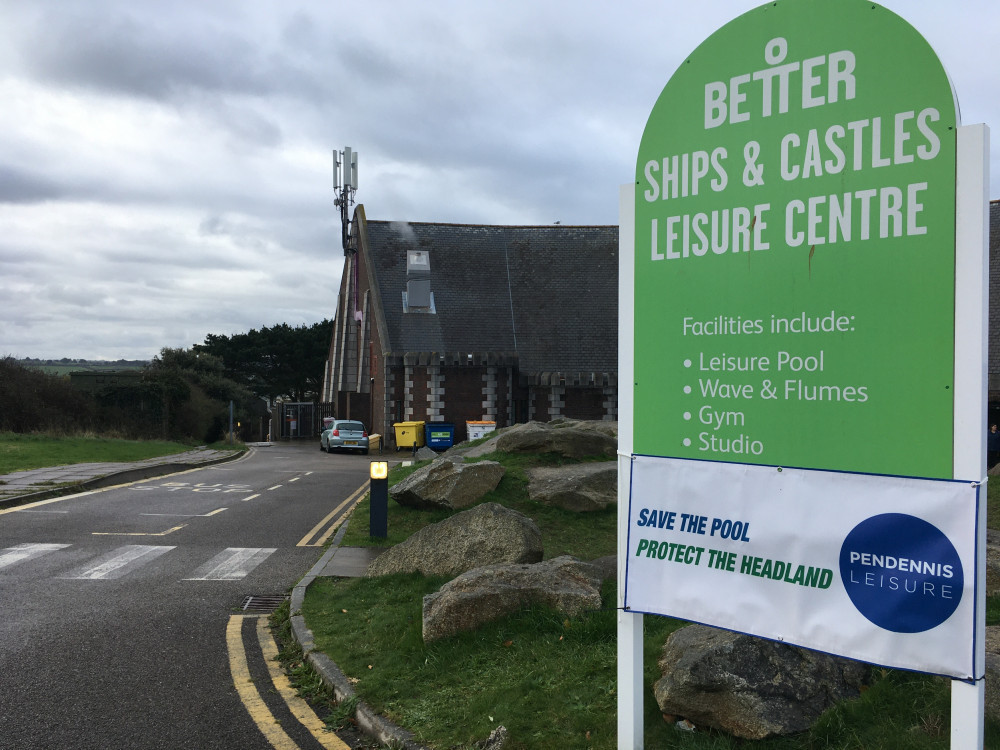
(165, 167)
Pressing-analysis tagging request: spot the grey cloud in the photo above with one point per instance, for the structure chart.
(163, 162)
(123, 51)
(17, 186)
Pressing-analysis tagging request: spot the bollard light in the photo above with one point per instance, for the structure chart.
(378, 492)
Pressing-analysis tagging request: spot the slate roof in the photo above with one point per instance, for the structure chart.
(547, 293)
(559, 312)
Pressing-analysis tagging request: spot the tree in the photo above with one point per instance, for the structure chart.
(275, 362)
(194, 394)
(34, 401)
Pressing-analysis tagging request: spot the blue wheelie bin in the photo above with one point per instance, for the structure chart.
(440, 436)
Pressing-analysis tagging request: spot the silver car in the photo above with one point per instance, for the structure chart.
(344, 434)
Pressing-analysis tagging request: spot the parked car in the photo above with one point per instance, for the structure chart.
(344, 434)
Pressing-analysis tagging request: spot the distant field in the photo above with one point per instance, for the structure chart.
(64, 366)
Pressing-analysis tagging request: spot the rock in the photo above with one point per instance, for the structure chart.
(494, 591)
(487, 534)
(748, 686)
(992, 639)
(992, 561)
(567, 437)
(607, 567)
(475, 451)
(425, 454)
(604, 426)
(992, 700)
(496, 740)
(993, 672)
(448, 483)
(576, 487)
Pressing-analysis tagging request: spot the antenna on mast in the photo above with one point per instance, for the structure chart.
(345, 184)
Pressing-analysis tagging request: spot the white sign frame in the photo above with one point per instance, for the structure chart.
(971, 345)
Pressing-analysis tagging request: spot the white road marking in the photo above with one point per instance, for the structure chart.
(22, 552)
(232, 564)
(29, 506)
(186, 515)
(117, 563)
(139, 533)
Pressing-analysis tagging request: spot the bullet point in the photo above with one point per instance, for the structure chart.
(687, 389)
(687, 416)
(687, 362)
(687, 442)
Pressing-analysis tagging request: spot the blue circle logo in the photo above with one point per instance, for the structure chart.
(901, 572)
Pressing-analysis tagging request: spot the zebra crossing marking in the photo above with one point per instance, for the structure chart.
(22, 552)
(232, 564)
(118, 562)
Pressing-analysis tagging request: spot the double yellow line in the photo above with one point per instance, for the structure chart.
(250, 696)
(240, 669)
(344, 509)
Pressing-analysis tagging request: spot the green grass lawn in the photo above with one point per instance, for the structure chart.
(586, 536)
(22, 452)
(550, 679)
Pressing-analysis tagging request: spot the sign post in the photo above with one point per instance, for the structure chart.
(806, 339)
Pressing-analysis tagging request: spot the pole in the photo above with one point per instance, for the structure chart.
(971, 317)
(630, 645)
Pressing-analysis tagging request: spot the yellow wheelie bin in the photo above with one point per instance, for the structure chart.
(409, 435)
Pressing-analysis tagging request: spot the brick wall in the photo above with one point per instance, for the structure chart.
(464, 398)
(584, 403)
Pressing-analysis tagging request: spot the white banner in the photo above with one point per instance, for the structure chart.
(875, 568)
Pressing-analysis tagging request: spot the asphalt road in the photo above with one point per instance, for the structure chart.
(115, 604)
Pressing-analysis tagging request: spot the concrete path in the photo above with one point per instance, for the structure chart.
(349, 562)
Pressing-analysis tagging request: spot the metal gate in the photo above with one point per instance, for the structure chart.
(297, 420)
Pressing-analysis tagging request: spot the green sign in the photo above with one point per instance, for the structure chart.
(794, 234)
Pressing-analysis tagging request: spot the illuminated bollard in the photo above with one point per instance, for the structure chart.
(378, 490)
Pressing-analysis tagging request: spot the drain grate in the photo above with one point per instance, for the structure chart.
(263, 604)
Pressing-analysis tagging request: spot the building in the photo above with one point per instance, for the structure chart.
(458, 323)
(455, 323)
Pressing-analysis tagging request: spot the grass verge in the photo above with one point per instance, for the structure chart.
(550, 680)
(303, 677)
(20, 452)
(587, 535)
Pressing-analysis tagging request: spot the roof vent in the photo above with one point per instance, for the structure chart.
(418, 263)
(418, 278)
